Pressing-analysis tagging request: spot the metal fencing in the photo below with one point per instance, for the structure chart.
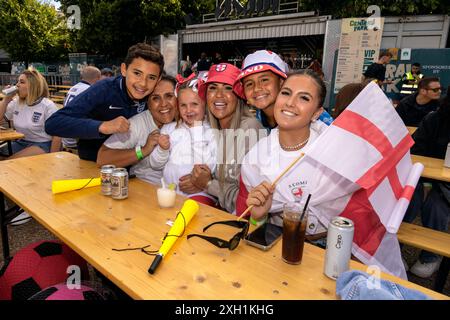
(52, 79)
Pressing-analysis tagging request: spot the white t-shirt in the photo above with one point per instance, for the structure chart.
(73, 92)
(30, 120)
(267, 160)
(141, 125)
(188, 146)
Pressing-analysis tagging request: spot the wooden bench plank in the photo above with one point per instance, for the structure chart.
(425, 238)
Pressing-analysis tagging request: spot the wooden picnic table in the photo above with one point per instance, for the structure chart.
(433, 168)
(56, 86)
(9, 135)
(411, 130)
(93, 224)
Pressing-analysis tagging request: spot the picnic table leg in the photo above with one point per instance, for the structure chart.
(442, 275)
(10, 148)
(4, 228)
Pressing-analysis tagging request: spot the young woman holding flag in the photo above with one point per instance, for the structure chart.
(297, 108)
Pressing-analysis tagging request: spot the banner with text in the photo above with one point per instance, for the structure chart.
(359, 47)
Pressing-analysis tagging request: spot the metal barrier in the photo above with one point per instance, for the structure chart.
(52, 79)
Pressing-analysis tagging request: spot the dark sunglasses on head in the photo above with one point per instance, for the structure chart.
(435, 89)
(230, 244)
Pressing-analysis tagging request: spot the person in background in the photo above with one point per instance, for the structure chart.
(415, 107)
(106, 73)
(347, 94)
(228, 114)
(28, 111)
(132, 148)
(316, 66)
(186, 68)
(410, 81)
(190, 140)
(262, 76)
(89, 75)
(431, 139)
(218, 58)
(204, 63)
(105, 107)
(377, 70)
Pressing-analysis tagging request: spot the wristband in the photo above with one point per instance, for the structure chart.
(139, 154)
(257, 222)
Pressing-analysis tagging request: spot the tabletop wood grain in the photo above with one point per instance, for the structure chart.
(93, 224)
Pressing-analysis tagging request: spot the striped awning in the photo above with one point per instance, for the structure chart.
(279, 26)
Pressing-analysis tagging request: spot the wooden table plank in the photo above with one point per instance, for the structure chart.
(411, 130)
(434, 168)
(431, 240)
(10, 135)
(93, 224)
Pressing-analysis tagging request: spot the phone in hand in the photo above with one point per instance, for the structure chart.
(265, 236)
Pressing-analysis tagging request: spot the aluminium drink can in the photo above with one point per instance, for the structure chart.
(10, 91)
(119, 184)
(447, 157)
(105, 176)
(339, 246)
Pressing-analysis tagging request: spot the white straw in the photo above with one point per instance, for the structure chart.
(162, 183)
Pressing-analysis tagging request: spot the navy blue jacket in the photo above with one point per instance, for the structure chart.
(105, 100)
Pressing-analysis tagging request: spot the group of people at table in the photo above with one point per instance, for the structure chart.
(198, 132)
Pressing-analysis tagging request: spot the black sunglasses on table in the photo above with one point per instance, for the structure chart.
(230, 244)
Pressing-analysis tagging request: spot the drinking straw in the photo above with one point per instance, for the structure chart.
(162, 183)
(274, 183)
(306, 207)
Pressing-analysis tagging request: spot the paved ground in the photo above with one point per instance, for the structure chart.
(32, 231)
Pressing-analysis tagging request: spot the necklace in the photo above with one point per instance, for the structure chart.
(294, 147)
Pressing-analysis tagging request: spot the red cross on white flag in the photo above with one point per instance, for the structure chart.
(368, 144)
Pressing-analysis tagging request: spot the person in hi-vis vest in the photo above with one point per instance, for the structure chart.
(410, 80)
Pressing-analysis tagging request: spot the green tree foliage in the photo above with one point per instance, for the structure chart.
(32, 31)
(357, 8)
(109, 27)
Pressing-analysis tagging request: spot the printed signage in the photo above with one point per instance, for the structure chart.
(252, 7)
(359, 47)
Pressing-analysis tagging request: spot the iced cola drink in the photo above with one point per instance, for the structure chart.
(294, 231)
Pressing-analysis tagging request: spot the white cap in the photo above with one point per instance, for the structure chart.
(263, 60)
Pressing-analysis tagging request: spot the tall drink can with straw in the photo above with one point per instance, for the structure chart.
(339, 246)
(119, 184)
(105, 177)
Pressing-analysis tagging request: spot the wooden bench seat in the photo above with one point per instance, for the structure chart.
(424, 238)
(430, 240)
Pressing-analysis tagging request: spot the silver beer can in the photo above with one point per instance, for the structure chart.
(339, 247)
(447, 157)
(119, 184)
(10, 91)
(105, 176)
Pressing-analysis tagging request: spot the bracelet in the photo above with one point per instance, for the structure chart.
(257, 222)
(139, 153)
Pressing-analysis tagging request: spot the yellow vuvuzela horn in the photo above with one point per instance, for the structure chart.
(59, 186)
(190, 208)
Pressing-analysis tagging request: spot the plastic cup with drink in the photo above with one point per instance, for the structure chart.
(294, 230)
(166, 195)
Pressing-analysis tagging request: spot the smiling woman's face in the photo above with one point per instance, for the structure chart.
(162, 103)
(221, 100)
(297, 103)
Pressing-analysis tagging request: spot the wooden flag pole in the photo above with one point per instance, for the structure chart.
(274, 183)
